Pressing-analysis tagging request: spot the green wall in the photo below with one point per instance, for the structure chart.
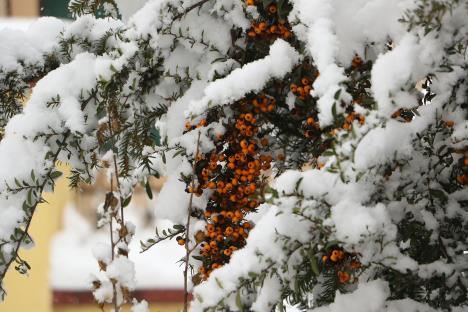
(57, 8)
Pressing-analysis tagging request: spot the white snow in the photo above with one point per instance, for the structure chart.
(368, 297)
(250, 78)
(353, 221)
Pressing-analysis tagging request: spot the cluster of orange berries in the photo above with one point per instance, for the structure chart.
(263, 104)
(311, 127)
(403, 115)
(344, 263)
(357, 62)
(233, 174)
(272, 27)
(348, 123)
(302, 90)
(462, 178)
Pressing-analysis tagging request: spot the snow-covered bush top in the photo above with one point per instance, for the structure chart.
(370, 199)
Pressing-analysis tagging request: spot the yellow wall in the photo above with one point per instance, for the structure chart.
(24, 7)
(86, 308)
(32, 294)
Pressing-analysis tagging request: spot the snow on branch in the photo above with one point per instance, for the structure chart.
(252, 77)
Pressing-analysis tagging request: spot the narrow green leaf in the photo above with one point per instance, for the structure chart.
(149, 192)
(239, 302)
(55, 174)
(314, 265)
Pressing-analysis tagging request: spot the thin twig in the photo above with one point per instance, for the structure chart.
(41, 188)
(33, 208)
(114, 289)
(196, 5)
(187, 228)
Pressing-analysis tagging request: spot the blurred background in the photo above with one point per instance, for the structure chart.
(65, 229)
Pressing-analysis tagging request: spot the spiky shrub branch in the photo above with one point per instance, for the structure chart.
(309, 114)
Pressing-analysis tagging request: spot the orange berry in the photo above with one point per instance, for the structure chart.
(272, 8)
(355, 264)
(202, 123)
(334, 256)
(210, 228)
(262, 26)
(305, 81)
(293, 88)
(343, 276)
(356, 62)
(449, 123)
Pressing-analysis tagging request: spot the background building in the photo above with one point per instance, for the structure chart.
(33, 8)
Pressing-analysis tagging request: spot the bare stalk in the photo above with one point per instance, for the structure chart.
(114, 289)
(187, 228)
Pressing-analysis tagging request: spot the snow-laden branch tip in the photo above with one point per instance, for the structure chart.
(250, 78)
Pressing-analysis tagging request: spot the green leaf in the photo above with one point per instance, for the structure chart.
(438, 194)
(219, 283)
(334, 110)
(314, 265)
(179, 227)
(266, 3)
(330, 244)
(239, 302)
(55, 174)
(127, 201)
(149, 192)
(29, 197)
(337, 94)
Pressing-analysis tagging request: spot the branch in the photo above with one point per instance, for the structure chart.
(196, 5)
(33, 208)
(187, 227)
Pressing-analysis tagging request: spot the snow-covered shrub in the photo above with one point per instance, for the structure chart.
(316, 150)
